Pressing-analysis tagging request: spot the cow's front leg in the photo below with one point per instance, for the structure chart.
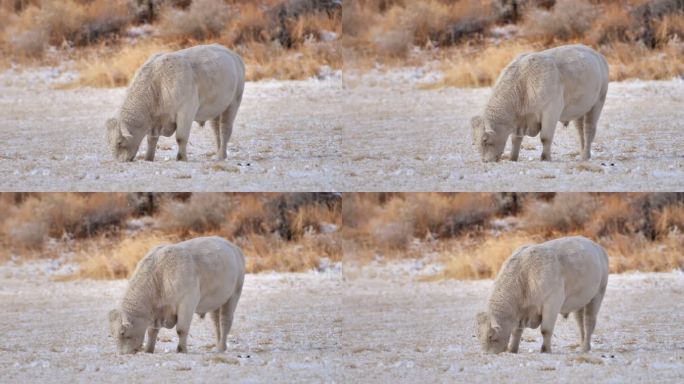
(515, 339)
(152, 333)
(151, 147)
(185, 311)
(183, 125)
(516, 141)
(549, 121)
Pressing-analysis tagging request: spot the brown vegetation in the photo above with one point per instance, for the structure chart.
(110, 233)
(474, 40)
(282, 39)
(472, 234)
(294, 39)
(469, 234)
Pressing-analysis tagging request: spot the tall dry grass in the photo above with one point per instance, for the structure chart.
(110, 233)
(116, 68)
(472, 234)
(294, 39)
(473, 41)
(282, 39)
(481, 67)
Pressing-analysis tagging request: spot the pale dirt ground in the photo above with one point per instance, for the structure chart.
(286, 138)
(375, 325)
(403, 330)
(402, 138)
(380, 133)
(287, 329)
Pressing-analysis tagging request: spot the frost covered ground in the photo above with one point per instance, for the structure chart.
(381, 132)
(402, 330)
(287, 329)
(286, 138)
(377, 324)
(402, 137)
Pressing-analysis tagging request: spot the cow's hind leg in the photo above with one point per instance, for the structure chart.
(590, 313)
(579, 317)
(214, 123)
(579, 124)
(590, 124)
(227, 313)
(227, 121)
(215, 317)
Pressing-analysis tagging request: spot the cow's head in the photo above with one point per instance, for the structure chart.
(489, 138)
(123, 144)
(492, 335)
(127, 330)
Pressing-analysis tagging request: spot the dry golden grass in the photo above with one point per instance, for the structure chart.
(293, 232)
(262, 61)
(65, 215)
(406, 34)
(117, 258)
(567, 20)
(614, 24)
(61, 24)
(272, 61)
(640, 38)
(116, 69)
(472, 234)
(483, 260)
(106, 259)
(479, 68)
(204, 19)
(635, 61)
(668, 28)
(294, 47)
(635, 253)
(270, 253)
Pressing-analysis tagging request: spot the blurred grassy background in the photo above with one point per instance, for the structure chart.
(469, 41)
(110, 39)
(469, 234)
(108, 233)
(472, 234)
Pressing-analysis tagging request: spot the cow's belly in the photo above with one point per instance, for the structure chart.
(213, 104)
(576, 302)
(574, 109)
(213, 301)
(209, 112)
(573, 113)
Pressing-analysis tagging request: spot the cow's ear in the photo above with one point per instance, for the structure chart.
(476, 122)
(488, 137)
(112, 124)
(493, 334)
(125, 132)
(481, 318)
(114, 315)
(125, 321)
